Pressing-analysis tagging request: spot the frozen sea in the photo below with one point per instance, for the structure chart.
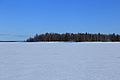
(60, 61)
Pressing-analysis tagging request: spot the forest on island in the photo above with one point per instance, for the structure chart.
(74, 37)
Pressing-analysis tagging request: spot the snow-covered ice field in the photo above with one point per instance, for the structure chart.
(60, 61)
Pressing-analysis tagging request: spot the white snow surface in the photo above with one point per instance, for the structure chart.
(60, 61)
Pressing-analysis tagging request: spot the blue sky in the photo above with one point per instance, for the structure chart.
(20, 19)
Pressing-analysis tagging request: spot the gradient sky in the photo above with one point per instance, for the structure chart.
(20, 19)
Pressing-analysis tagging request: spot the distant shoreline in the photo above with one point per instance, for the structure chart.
(64, 41)
(74, 37)
(12, 41)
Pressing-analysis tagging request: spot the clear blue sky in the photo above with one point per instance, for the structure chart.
(22, 18)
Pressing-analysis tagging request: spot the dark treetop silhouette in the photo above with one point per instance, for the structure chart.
(78, 37)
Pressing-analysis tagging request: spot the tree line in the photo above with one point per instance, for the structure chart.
(75, 37)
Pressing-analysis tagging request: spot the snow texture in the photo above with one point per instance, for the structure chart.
(60, 61)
